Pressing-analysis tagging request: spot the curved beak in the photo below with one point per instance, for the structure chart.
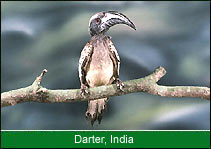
(112, 18)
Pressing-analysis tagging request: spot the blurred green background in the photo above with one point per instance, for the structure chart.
(51, 35)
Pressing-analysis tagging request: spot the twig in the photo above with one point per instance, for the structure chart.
(37, 93)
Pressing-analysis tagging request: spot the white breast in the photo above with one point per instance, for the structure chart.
(101, 67)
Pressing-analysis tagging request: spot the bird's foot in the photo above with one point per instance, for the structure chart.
(120, 84)
(84, 90)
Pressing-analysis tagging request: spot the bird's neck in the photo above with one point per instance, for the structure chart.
(98, 36)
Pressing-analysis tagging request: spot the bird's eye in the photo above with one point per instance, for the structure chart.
(97, 20)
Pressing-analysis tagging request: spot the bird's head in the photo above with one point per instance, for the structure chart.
(102, 21)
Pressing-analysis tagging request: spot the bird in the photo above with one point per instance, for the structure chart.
(99, 62)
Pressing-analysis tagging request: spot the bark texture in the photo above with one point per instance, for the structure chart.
(37, 93)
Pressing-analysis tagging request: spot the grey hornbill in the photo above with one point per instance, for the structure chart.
(99, 62)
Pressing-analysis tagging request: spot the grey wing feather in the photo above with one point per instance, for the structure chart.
(84, 61)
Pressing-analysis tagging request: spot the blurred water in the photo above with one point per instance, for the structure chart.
(51, 35)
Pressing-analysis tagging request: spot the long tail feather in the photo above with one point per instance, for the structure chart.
(96, 109)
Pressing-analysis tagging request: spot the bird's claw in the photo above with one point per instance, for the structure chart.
(120, 84)
(83, 90)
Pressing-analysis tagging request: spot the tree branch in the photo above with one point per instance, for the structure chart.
(37, 93)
